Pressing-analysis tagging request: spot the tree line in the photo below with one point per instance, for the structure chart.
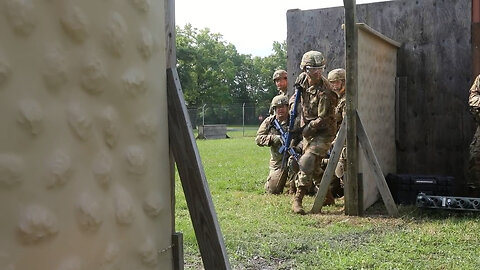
(212, 72)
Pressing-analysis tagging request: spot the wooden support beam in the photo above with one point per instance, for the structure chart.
(351, 54)
(475, 38)
(171, 61)
(328, 174)
(177, 243)
(192, 176)
(170, 38)
(377, 170)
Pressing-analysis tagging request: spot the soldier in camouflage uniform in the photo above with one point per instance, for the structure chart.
(336, 78)
(473, 181)
(281, 81)
(318, 121)
(268, 135)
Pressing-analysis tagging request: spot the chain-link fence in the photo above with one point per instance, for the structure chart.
(232, 115)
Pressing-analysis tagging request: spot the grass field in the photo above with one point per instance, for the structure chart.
(261, 232)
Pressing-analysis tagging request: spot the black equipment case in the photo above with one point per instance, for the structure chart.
(405, 187)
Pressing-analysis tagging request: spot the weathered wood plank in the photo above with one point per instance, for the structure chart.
(475, 38)
(377, 170)
(437, 37)
(351, 53)
(328, 174)
(171, 62)
(170, 38)
(177, 243)
(192, 176)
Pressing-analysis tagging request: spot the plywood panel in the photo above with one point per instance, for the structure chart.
(84, 165)
(435, 60)
(377, 66)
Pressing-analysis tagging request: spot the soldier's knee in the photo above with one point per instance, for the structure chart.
(307, 163)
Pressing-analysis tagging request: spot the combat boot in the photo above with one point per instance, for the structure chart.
(297, 201)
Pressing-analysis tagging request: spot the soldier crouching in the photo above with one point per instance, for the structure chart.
(268, 135)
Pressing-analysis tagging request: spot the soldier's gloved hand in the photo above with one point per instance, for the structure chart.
(277, 140)
(308, 131)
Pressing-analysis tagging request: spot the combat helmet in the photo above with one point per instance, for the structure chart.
(280, 73)
(313, 59)
(279, 100)
(336, 75)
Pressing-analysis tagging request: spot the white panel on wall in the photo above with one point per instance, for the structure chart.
(377, 69)
(84, 163)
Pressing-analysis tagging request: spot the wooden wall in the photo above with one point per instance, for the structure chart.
(376, 105)
(434, 70)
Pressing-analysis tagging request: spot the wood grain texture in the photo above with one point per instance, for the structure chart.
(328, 174)
(435, 59)
(377, 68)
(351, 50)
(377, 170)
(192, 176)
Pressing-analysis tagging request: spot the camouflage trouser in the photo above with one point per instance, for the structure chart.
(279, 177)
(314, 150)
(276, 180)
(473, 180)
(293, 169)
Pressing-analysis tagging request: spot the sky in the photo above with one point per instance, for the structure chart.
(251, 25)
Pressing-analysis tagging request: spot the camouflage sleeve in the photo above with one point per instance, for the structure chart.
(326, 110)
(340, 111)
(302, 80)
(474, 98)
(263, 137)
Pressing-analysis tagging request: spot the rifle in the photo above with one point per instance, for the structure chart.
(284, 137)
(287, 136)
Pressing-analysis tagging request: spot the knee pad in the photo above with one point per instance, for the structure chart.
(307, 163)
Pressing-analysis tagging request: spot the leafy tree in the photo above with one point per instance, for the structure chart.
(212, 72)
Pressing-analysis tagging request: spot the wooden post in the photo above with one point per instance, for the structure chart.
(475, 38)
(177, 243)
(351, 54)
(171, 61)
(328, 174)
(170, 41)
(192, 176)
(377, 170)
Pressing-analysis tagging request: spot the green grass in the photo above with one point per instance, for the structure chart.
(260, 231)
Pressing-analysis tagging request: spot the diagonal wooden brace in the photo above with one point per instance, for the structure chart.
(332, 163)
(376, 169)
(192, 176)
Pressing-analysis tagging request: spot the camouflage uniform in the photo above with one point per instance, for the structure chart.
(339, 115)
(278, 74)
(318, 123)
(266, 136)
(473, 181)
(340, 111)
(296, 144)
(318, 112)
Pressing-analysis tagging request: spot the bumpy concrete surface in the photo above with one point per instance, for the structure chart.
(84, 165)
